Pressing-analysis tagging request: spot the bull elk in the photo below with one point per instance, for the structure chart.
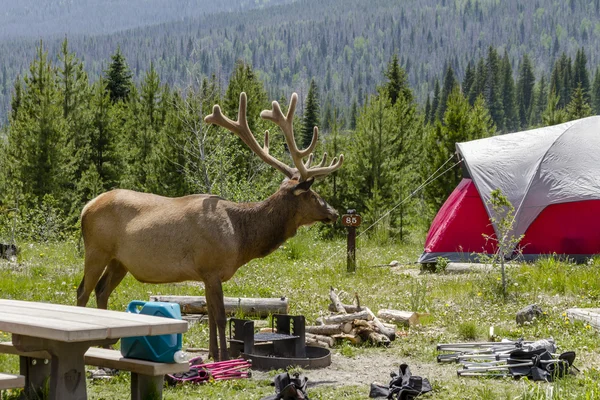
(201, 237)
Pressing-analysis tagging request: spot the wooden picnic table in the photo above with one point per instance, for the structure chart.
(67, 332)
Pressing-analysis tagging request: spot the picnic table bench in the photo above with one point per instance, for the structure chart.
(64, 336)
(146, 376)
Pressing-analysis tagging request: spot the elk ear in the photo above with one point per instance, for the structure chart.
(303, 186)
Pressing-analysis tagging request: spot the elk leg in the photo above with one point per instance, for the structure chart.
(213, 347)
(113, 275)
(94, 266)
(214, 300)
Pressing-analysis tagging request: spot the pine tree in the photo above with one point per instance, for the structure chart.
(553, 114)
(511, 120)
(525, 94)
(449, 84)
(478, 86)
(541, 102)
(578, 107)
(397, 84)
(311, 114)
(36, 134)
(118, 77)
(469, 80)
(427, 109)
(435, 102)
(492, 90)
(580, 75)
(596, 92)
(75, 95)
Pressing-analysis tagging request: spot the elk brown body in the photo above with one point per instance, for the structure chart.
(200, 237)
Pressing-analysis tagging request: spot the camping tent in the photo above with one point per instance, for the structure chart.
(550, 175)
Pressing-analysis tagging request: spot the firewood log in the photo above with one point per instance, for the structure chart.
(338, 319)
(324, 329)
(406, 318)
(353, 338)
(261, 307)
(391, 334)
(349, 308)
(310, 338)
(335, 300)
(361, 323)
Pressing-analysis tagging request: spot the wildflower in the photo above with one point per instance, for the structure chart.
(479, 294)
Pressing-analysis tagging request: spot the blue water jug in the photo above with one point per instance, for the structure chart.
(160, 348)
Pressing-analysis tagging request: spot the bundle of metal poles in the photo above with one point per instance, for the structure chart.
(507, 358)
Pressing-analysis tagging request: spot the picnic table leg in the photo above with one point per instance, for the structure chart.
(36, 371)
(67, 371)
(144, 387)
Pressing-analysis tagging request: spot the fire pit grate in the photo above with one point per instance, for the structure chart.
(282, 348)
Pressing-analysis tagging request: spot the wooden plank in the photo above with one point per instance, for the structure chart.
(10, 381)
(101, 314)
(87, 320)
(108, 358)
(113, 359)
(48, 328)
(9, 348)
(261, 307)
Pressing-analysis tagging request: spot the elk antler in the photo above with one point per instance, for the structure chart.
(241, 129)
(286, 125)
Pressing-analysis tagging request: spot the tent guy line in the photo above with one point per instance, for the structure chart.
(422, 186)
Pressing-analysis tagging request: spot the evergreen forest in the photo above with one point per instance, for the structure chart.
(393, 86)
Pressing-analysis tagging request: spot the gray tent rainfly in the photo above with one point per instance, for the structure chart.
(550, 175)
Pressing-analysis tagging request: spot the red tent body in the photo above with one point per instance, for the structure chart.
(462, 224)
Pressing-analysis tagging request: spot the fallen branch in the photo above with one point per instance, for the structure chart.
(335, 300)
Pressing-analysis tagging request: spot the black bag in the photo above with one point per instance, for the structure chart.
(289, 388)
(403, 386)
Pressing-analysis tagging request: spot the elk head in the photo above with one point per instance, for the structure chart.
(311, 207)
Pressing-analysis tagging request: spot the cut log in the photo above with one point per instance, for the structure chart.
(589, 315)
(321, 338)
(233, 305)
(350, 308)
(389, 326)
(391, 334)
(361, 323)
(352, 338)
(379, 338)
(346, 327)
(324, 329)
(406, 318)
(338, 319)
(335, 300)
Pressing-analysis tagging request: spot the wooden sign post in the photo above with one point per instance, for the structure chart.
(351, 221)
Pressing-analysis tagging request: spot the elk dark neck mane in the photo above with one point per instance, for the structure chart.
(265, 225)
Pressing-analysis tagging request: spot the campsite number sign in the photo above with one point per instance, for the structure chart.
(351, 221)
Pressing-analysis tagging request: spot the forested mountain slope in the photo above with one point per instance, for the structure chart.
(35, 18)
(343, 44)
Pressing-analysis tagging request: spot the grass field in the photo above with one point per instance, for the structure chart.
(460, 307)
